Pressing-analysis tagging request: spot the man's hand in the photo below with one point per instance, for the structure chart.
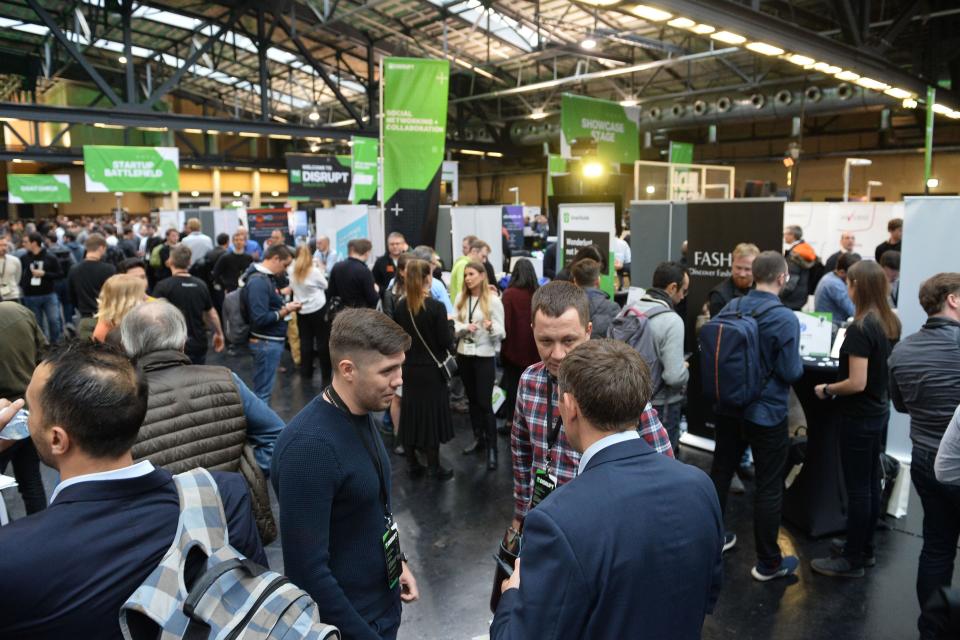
(513, 582)
(472, 327)
(218, 342)
(408, 585)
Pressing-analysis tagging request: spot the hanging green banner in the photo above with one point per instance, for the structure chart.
(365, 162)
(556, 166)
(29, 188)
(414, 96)
(612, 129)
(127, 169)
(681, 152)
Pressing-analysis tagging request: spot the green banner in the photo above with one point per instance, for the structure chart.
(29, 188)
(609, 127)
(556, 166)
(127, 169)
(681, 152)
(414, 96)
(365, 161)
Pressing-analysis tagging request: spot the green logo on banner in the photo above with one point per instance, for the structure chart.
(365, 162)
(129, 169)
(566, 217)
(414, 122)
(27, 188)
(294, 176)
(612, 129)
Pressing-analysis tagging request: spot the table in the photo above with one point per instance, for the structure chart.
(816, 502)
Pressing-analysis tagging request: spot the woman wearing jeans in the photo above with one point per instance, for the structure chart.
(479, 329)
(861, 396)
(309, 284)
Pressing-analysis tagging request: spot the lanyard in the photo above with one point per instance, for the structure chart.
(470, 309)
(335, 399)
(557, 424)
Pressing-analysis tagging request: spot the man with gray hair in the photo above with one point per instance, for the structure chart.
(198, 416)
(325, 253)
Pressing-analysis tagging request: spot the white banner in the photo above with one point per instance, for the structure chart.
(486, 223)
(581, 225)
(347, 222)
(823, 222)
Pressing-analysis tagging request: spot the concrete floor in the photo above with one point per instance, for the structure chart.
(451, 530)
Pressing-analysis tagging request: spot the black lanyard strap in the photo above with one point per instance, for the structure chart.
(554, 432)
(335, 399)
(471, 309)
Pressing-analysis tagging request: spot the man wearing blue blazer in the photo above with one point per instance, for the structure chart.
(68, 569)
(631, 547)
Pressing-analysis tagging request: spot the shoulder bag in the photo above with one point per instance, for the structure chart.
(448, 368)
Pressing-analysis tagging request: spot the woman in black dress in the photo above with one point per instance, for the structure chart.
(425, 420)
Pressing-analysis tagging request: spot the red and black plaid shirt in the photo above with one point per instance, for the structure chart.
(531, 432)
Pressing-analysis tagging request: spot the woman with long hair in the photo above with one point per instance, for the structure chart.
(395, 288)
(309, 283)
(519, 350)
(861, 396)
(425, 420)
(119, 294)
(478, 325)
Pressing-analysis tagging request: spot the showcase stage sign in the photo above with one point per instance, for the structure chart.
(614, 129)
(129, 169)
(317, 177)
(27, 188)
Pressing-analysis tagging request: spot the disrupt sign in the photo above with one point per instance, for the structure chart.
(319, 177)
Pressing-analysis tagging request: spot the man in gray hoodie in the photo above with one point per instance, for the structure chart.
(586, 275)
(670, 284)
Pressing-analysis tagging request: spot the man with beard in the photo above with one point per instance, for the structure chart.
(740, 281)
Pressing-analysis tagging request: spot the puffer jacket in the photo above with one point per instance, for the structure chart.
(800, 260)
(195, 419)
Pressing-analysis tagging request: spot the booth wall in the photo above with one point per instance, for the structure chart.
(657, 231)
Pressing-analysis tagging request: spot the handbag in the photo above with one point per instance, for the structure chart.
(448, 368)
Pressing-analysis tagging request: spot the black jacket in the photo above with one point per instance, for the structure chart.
(51, 273)
(384, 270)
(352, 282)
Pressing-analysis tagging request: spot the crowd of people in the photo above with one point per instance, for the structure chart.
(106, 336)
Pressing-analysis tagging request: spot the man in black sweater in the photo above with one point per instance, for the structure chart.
(39, 272)
(895, 229)
(385, 268)
(85, 281)
(351, 280)
(232, 264)
(331, 473)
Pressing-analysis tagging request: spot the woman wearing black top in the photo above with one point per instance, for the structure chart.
(861, 397)
(425, 408)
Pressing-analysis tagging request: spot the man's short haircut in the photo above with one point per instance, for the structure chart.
(356, 331)
(468, 240)
(796, 230)
(131, 263)
(35, 238)
(935, 289)
(95, 242)
(586, 273)
(180, 256)
(423, 252)
(768, 266)
(478, 245)
(275, 250)
(69, 236)
(610, 382)
(151, 327)
(890, 260)
(894, 224)
(359, 246)
(556, 298)
(847, 260)
(193, 224)
(395, 235)
(746, 250)
(223, 239)
(668, 273)
(96, 395)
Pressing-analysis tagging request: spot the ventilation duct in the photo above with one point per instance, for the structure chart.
(783, 98)
(677, 110)
(758, 100)
(655, 113)
(813, 94)
(724, 104)
(699, 107)
(845, 91)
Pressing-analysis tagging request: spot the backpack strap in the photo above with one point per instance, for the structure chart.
(202, 518)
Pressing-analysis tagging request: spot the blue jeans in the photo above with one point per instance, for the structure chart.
(670, 419)
(860, 455)
(46, 306)
(266, 359)
(63, 293)
(941, 530)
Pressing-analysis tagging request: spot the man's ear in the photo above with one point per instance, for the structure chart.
(589, 329)
(59, 441)
(347, 369)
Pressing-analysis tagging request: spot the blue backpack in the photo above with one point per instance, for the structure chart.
(731, 363)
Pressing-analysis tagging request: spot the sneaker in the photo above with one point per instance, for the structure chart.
(836, 568)
(729, 541)
(399, 450)
(736, 485)
(788, 566)
(839, 545)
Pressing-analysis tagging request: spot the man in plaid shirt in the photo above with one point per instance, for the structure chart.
(561, 322)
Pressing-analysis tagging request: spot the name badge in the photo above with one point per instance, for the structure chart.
(469, 348)
(391, 551)
(543, 485)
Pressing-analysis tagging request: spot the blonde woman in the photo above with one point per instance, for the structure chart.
(478, 325)
(309, 283)
(119, 294)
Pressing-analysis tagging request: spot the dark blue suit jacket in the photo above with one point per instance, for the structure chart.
(65, 571)
(629, 549)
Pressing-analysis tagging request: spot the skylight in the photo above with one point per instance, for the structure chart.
(501, 26)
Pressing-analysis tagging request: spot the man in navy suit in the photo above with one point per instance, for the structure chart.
(68, 569)
(631, 547)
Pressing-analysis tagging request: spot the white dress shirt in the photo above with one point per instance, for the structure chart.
(126, 473)
(603, 443)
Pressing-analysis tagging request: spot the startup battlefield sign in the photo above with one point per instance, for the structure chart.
(318, 177)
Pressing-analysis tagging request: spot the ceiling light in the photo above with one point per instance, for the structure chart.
(848, 76)
(592, 169)
(122, 59)
(103, 125)
(765, 49)
(314, 115)
(933, 183)
(899, 94)
(248, 134)
(954, 115)
(79, 163)
(193, 130)
(859, 162)
(274, 193)
(600, 3)
(651, 13)
(682, 23)
(537, 114)
(236, 194)
(494, 154)
(158, 129)
(910, 103)
(942, 109)
(213, 132)
(280, 136)
(629, 102)
(728, 37)
(194, 193)
(651, 189)
(18, 160)
(801, 61)
(703, 29)
(870, 83)
(589, 44)
(827, 68)
(471, 152)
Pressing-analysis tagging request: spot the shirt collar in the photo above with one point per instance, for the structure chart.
(126, 473)
(603, 443)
